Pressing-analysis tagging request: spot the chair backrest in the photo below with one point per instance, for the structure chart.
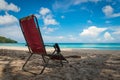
(31, 32)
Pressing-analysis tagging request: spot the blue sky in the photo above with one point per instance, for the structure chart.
(84, 21)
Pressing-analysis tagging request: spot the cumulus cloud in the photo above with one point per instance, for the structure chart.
(48, 29)
(108, 36)
(92, 34)
(8, 7)
(9, 23)
(95, 34)
(48, 19)
(47, 16)
(43, 11)
(92, 31)
(8, 19)
(109, 12)
(9, 27)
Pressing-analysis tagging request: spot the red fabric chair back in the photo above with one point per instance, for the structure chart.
(32, 35)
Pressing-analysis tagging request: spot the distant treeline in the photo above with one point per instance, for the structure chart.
(6, 40)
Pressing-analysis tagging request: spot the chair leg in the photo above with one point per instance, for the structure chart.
(43, 57)
(63, 60)
(27, 61)
(61, 63)
(66, 60)
(45, 65)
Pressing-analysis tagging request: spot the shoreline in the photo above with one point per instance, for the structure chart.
(91, 46)
(51, 48)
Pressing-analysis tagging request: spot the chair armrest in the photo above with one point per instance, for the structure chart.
(56, 47)
(49, 45)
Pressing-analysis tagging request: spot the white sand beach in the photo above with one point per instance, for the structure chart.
(83, 64)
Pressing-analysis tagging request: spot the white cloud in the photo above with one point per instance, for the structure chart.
(60, 37)
(9, 27)
(48, 20)
(6, 7)
(8, 19)
(43, 11)
(115, 15)
(95, 34)
(109, 12)
(92, 34)
(116, 33)
(108, 36)
(92, 31)
(48, 29)
(8, 23)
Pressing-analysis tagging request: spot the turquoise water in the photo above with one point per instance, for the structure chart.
(13, 44)
(99, 46)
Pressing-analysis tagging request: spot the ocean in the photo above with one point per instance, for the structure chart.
(97, 46)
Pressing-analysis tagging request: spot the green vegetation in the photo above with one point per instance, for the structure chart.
(6, 40)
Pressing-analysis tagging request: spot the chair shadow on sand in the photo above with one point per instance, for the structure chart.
(91, 67)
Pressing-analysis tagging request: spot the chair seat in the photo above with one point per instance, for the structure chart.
(56, 56)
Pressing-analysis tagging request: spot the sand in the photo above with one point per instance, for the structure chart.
(83, 65)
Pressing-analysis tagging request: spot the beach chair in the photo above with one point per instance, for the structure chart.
(31, 31)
